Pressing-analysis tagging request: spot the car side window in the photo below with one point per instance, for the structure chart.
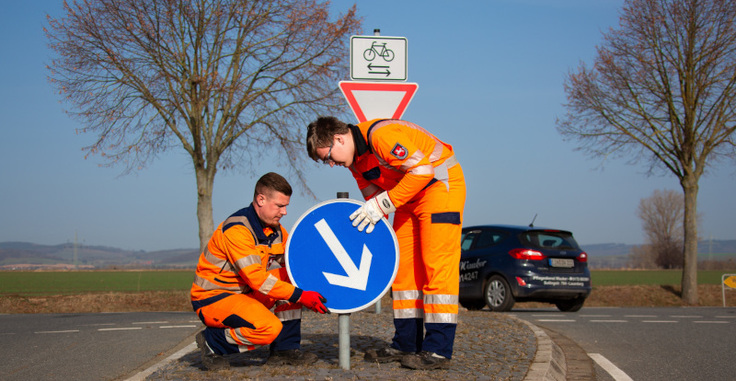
(488, 238)
(467, 240)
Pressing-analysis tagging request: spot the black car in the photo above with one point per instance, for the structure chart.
(502, 264)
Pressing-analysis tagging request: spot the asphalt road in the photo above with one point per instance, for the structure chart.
(88, 346)
(695, 343)
(625, 343)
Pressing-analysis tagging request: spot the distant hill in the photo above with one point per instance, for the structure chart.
(25, 255)
(616, 255)
(14, 254)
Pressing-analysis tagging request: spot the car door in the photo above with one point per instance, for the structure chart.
(480, 255)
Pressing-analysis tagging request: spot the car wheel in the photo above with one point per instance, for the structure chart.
(572, 305)
(473, 305)
(498, 295)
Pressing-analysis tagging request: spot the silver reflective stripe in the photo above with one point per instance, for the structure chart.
(407, 295)
(413, 313)
(211, 258)
(246, 346)
(451, 161)
(408, 313)
(386, 165)
(207, 285)
(437, 151)
(268, 284)
(440, 318)
(441, 172)
(422, 170)
(247, 261)
(440, 299)
(413, 160)
(289, 315)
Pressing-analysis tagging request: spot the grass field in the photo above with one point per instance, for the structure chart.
(652, 277)
(128, 291)
(75, 282)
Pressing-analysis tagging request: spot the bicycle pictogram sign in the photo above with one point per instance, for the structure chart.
(378, 58)
(378, 50)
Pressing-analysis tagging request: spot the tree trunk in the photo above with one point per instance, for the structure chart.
(205, 184)
(690, 258)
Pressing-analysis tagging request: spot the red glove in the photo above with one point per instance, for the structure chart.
(314, 301)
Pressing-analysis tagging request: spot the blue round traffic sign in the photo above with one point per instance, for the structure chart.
(350, 268)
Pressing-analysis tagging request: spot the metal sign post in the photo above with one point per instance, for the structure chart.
(343, 326)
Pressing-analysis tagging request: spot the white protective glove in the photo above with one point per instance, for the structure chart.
(372, 212)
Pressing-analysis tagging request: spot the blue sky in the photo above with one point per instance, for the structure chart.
(490, 77)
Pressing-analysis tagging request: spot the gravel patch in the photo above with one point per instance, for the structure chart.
(488, 346)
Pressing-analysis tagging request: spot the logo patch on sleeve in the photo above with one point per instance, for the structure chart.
(399, 151)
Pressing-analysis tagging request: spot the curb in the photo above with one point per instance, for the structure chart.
(549, 360)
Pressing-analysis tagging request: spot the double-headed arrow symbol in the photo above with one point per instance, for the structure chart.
(371, 66)
(356, 278)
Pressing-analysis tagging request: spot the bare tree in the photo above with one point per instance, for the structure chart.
(642, 257)
(661, 91)
(229, 81)
(662, 216)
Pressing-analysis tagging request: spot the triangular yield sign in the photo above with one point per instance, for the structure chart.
(371, 100)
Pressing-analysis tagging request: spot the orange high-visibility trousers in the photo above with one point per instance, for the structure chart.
(425, 291)
(245, 321)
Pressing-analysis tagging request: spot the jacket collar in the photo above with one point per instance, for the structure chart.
(257, 225)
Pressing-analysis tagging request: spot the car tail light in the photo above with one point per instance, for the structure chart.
(583, 257)
(529, 254)
(520, 281)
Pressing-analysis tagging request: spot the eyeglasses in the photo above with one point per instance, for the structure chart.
(327, 158)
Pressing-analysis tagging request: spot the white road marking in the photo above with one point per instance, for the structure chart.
(608, 321)
(660, 321)
(608, 366)
(557, 320)
(64, 331)
(150, 322)
(711, 321)
(178, 326)
(120, 329)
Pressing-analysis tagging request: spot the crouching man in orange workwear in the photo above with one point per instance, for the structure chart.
(403, 169)
(240, 277)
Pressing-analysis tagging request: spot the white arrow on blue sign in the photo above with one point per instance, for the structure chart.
(351, 269)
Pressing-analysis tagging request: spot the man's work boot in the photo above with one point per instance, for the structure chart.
(425, 360)
(384, 355)
(210, 359)
(291, 357)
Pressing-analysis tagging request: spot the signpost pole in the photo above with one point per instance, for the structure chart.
(343, 332)
(343, 326)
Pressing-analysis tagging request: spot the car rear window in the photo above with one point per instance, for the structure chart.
(549, 239)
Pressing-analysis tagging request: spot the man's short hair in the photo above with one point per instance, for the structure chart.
(271, 182)
(321, 133)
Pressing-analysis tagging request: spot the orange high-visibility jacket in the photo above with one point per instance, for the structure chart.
(236, 260)
(400, 157)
